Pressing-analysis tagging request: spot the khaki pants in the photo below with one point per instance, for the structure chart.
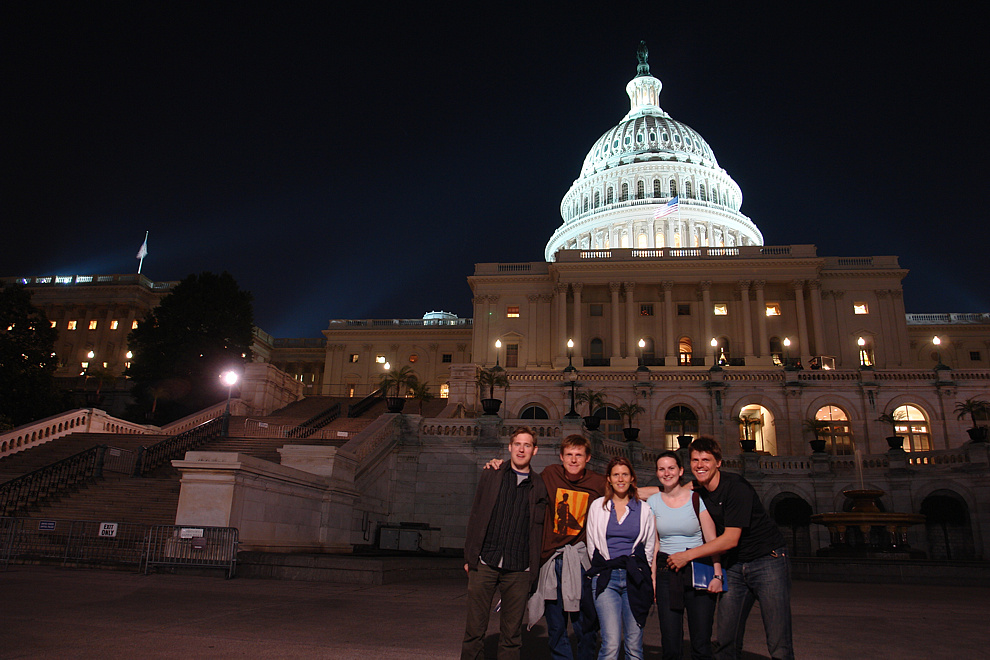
(513, 587)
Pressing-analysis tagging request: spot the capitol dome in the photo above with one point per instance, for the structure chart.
(625, 195)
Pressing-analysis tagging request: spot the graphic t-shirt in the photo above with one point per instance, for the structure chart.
(568, 510)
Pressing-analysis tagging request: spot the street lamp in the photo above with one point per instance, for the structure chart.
(643, 369)
(498, 350)
(938, 354)
(571, 374)
(787, 352)
(229, 378)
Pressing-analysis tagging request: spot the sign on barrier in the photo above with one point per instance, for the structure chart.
(108, 530)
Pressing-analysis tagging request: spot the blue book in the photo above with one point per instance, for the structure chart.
(702, 574)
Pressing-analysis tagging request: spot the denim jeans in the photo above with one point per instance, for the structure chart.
(768, 580)
(556, 618)
(514, 587)
(700, 608)
(619, 627)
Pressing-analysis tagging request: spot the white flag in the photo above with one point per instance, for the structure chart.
(143, 252)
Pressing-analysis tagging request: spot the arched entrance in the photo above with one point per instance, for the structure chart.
(947, 527)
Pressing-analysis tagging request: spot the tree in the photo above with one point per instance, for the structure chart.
(27, 360)
(972, 407)
(421, 392)
(492, 378)
(204, 326)
(398, 378)
(594, 398)
(630, 411)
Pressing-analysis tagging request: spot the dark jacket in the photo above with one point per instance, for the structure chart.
(485, 498)
(639, 583)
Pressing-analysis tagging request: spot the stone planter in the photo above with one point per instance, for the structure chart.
(592, 423)
(748, 445)
(491, 406)
(979, 433)
(817, 446)
(395, 404)
(895, 441)
(684, 441)
(630, 434)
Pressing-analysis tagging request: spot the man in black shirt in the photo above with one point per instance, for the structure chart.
(754, 558)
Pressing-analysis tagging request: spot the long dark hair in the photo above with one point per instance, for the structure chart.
(609, 493)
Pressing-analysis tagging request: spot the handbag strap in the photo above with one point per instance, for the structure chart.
(696, 501)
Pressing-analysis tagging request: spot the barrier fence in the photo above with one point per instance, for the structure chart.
(119, 544)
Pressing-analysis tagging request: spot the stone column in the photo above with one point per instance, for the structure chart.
(706, 315)
(559, 339)
(747, 320)
(576, 330)
(631, 338)
(817, 327)
(532, 357)
(480, 333)
(761, 318)
(670, 342)
(802, 319)
(613, 288)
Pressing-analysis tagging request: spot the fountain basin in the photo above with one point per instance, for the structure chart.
(866, 531)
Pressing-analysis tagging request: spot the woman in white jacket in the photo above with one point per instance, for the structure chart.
(621, 534)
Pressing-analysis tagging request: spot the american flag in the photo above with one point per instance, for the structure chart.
(666, 209)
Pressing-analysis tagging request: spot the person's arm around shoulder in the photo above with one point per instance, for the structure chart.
(650, 524)
(593, 524)
(646, 492)
(708, 533)
(722, 543)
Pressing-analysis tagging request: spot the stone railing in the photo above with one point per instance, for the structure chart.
(197, 418)
(83, 420)
(254, 428)
(946, 319)
(470, 428)
(740, 252)
(374, 440)
(390, 323)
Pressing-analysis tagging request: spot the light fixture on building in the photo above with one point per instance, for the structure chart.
(936, 341)
(498, 349)
(91, 355)
(642, 369)
(229, 378)
(571, 374)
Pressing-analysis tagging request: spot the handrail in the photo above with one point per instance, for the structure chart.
(175, 446)
(364, 404)
(36, 487)
(315, 423)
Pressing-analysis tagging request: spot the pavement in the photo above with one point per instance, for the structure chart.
(87, 613)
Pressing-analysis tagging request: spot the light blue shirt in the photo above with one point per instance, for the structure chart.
(678, 528)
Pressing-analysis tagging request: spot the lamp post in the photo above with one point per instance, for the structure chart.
(229, 379)
(642, 368)
(864, 356)
(787, 352)
(571, 374)
(936, 342)
(498, 350)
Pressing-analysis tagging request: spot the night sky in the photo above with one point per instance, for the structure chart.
(351, 163)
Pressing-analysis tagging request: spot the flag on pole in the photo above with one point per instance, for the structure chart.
(143, 252)
(666, 209)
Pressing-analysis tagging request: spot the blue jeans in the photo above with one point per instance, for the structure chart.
(768, 580)
(556, 617)
(619, 627)
(700, 608)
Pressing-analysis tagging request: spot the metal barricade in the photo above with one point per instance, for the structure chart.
(80, 541)
(199, 547)
(8, 531)
(119, 460)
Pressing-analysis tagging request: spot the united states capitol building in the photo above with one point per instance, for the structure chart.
(657, 290)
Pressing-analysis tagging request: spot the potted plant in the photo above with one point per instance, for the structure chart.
(421, 392)
(894, 441)
(629, 412)
(594, 399)
(397, 378)
(748, 443)
(817, 428)
(681, 415)
(492, 378)
(971, 407)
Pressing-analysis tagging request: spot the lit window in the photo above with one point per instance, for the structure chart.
(413, 357)
(104, 365)
(134, 324)
(127, 365)
(512, 312)
(911, 423)
(860, 308)
(380, 359)
(114, 324)
(84, 365)
(640, 190)
(92, 325)
(354, 357)
(646, 310)
(721, 309)
(54, 323)
(71, 325)
(444, 390)
(447, 358)
(773, 309)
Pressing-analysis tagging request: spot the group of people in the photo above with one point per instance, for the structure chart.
(573, 546)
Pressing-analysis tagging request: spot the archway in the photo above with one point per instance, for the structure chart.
(947, 526)
(761, 427)
(793, 516)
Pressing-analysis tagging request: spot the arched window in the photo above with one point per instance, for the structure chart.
(624, 239)
(625, 192)
(756, 424)
(598, 199)
(673, 188)
(611, 424)
(679, 421)
(657, 188)
(947, 523)
(912, 425)
(793, 516)
(701, 192)
(660, 241)
(865, 345)
(642, 241)
(610, 195)
(776, 351)
(684, 351)
(640, 190)
(688, 190)
(837, 436)
(585, 204)
(722, 351)
(596, 354)
(534, 411)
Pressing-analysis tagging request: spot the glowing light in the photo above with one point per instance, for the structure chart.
(642, 343)
(861, 342)
(787, 342)
(936, 340)
(715, 343)
(387, 366)
(129, 355)
(498, 343)
(229, 378)
(91, 355)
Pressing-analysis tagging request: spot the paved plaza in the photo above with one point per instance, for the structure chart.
(84, 613)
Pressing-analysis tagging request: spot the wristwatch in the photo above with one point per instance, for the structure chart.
(718, 577)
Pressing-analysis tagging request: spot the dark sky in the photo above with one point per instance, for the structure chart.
(351, 163)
